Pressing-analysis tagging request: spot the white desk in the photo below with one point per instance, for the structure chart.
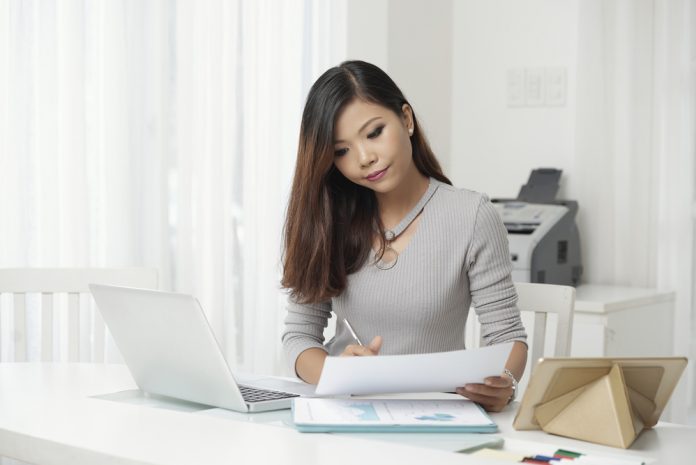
(47, 417)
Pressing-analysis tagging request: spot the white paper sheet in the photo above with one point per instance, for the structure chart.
(437, 372)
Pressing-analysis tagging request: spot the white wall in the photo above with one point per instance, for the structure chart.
(420, 61)
(496, 146)
(412, 41)
(366, 29)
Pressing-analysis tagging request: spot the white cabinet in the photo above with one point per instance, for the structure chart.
(615, 321)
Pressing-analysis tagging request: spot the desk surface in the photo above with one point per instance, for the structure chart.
(602, 299)
(49, 417)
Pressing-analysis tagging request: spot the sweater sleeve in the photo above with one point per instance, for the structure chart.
(304, 329)
(493, 293)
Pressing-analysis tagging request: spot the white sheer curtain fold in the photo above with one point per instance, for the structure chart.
(674, 145)
(206, 96)
(636, 141)
(655, 131)
(160, 133)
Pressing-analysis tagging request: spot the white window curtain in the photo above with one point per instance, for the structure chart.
(635, 140)
(674, 144)
(161, 134)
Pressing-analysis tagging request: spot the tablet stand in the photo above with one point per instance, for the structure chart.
(601, 400)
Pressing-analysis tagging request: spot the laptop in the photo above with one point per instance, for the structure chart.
(170, 350)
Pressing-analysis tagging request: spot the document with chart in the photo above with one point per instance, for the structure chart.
(436, 372)
(362, 415)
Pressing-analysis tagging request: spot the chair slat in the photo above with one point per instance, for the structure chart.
(1, 338)
(86, 322)
(98, 327)
(565, 325)
(73, 327)
(46, 327)
(539, 336)
(20, 327)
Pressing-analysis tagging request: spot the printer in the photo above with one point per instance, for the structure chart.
(542, 233)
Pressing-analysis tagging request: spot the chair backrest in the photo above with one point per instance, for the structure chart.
(542, 299)
(71, 281)
(537, 301)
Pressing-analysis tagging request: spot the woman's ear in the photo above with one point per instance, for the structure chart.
(407, 115)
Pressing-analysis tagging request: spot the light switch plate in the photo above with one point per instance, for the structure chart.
(555, 86)
(515, 87)
(534, 87)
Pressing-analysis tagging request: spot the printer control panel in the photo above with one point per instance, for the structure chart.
(525, 218)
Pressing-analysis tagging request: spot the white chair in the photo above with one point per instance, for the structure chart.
(542, 299)
(22, 281)
(536, 301)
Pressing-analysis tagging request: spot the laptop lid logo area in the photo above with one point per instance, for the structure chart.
(170, 349)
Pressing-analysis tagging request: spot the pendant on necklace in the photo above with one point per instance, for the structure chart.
(389, 258)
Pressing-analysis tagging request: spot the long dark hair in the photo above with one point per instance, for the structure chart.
(330, 221)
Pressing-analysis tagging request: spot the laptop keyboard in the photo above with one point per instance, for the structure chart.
(252, 395)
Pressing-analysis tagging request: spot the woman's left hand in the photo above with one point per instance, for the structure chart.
(493, 395)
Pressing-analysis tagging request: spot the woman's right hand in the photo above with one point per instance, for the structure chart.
(355, 350)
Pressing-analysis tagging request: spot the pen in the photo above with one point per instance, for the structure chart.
(350, 328)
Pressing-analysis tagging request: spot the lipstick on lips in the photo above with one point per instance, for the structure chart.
(377, 175)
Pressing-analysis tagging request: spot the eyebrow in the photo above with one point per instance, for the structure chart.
(361, 128)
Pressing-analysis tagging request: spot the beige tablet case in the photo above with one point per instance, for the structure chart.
(603, 400)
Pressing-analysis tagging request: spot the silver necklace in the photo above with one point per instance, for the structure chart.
(390, 256)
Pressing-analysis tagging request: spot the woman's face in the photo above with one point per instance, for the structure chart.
(372, 145)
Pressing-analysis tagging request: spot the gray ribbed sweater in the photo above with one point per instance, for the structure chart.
(458, 257)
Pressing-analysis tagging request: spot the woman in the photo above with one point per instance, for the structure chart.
(376, 234)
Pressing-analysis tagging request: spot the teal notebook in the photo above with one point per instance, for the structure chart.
(315, 415)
